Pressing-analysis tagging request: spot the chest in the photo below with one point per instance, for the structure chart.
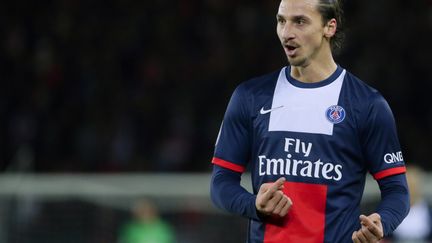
(307, 135)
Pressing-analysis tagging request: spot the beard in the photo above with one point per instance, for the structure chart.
(297, 61)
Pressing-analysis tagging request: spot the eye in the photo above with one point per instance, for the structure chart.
(300, 21)
(281, 21)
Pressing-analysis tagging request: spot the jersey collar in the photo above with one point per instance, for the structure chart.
(322, 83)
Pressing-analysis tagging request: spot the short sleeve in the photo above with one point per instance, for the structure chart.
(232, 148)
(379, 140)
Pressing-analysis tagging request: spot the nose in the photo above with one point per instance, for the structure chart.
(287, 32)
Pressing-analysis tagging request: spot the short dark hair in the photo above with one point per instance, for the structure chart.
(330, 9)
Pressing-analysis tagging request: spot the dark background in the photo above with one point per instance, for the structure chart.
(121, 86)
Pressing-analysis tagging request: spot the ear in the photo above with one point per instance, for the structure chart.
(330, 28)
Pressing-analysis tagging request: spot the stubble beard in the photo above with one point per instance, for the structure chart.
(297, 62)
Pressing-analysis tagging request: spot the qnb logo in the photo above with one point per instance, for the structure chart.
(391, 158)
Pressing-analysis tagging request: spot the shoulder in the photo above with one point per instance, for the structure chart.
(260, 83)
(359, 87)
(361, 93)
(369, 104)
(254, 91)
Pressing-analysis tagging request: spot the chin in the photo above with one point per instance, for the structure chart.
(297, 61)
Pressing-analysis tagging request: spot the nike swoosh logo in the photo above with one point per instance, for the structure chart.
(262, 111)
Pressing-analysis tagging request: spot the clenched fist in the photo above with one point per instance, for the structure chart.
(371, 230)
(271, 200)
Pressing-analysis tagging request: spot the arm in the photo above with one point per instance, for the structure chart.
(395, 203)
(378, 136)
(393, 208)
(227, 193)
(232, 150)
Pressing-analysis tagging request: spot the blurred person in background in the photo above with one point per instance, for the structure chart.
(146, 226)
(417, 226)
(309, 133)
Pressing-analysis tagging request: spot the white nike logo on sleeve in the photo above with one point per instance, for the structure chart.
(262, 111)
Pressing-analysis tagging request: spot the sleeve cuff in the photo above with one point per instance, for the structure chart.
(228, 165)
(389, 172)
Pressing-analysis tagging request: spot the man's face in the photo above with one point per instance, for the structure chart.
(301, 31)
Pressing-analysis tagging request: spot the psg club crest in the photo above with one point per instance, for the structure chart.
(335, 114)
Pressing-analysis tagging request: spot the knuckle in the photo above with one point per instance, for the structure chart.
(269, 208)
(277, 197)
(263, 187)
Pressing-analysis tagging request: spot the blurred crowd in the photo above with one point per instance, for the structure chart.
(114, 86)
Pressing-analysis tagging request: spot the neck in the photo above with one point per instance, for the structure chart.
(316, 70)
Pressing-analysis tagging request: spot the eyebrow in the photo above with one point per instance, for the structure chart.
(295, 17)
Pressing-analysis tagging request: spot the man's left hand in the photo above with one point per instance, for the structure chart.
(371, 229)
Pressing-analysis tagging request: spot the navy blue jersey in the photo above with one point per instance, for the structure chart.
(322, 137)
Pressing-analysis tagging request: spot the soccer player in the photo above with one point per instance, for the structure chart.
(309, 134)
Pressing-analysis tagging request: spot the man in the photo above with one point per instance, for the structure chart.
(309, 134)
(146, 226)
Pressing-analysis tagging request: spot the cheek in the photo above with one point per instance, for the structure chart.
(279, 33)
(314, 39)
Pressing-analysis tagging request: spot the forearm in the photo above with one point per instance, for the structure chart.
(227, 193)
(394, 205)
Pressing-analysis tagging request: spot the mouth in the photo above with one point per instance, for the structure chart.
(290, 49)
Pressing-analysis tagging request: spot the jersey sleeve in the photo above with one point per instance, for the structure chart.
(232, 149)
(379, 140)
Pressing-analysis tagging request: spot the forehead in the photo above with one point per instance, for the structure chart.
(299, 7)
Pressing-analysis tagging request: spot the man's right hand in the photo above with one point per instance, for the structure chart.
(271, 199)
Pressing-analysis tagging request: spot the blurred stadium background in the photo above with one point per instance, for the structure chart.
(107, 102)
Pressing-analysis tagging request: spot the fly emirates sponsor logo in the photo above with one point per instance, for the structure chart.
(294, 166)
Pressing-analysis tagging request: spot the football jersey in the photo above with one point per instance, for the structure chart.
(322, 137)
